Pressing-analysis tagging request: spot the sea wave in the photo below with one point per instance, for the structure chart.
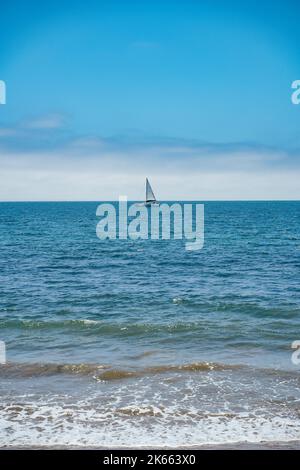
(277, 319)
(105, 372)
(55, 425)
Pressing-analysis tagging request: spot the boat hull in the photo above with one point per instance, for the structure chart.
(149, 204)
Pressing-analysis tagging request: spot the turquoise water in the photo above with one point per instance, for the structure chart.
(141, 342)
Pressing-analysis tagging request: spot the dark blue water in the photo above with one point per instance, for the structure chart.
(199, 340)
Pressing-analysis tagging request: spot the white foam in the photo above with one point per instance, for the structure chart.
(172, 410)
(90, 322)
(55, 425)
(177, 300)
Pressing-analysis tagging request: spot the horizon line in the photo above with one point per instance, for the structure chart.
(140, 200)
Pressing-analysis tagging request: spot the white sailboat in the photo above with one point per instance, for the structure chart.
(150, 197)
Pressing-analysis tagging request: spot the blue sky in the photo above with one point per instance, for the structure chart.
(202, 87)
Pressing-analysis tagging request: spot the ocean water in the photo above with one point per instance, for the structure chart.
(142, 343)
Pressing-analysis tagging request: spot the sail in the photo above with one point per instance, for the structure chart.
(149, 192)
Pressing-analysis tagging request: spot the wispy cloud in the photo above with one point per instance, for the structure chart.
(96, 168)
(33, 134)
(7, 132)
(50, 121)
(28, 127)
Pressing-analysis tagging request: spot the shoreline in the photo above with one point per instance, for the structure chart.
(272, 445)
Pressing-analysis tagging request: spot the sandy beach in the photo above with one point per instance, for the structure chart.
(291, 445)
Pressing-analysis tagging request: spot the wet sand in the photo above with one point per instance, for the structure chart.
(290, 445)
